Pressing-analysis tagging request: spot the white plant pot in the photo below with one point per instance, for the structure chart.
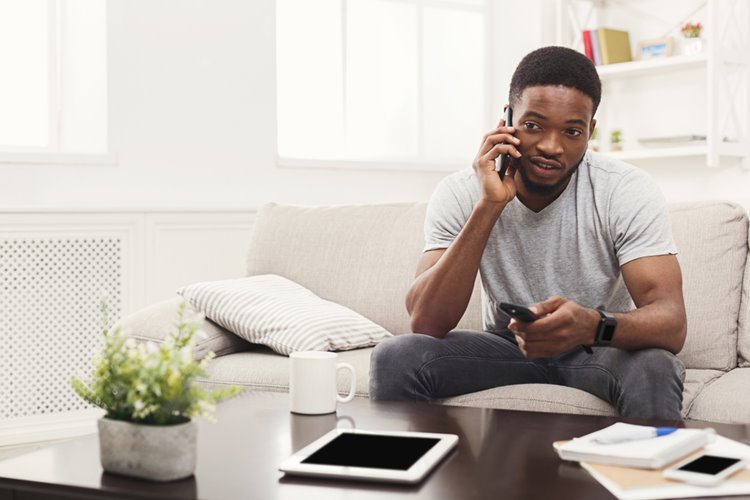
(692, 46)
(155, 452)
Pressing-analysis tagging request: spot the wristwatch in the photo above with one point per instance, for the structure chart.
(606, 331)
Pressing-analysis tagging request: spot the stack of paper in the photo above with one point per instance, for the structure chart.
(644, 453)
(630, 483)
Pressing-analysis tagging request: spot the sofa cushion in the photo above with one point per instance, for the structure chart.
(725, 399)
(264, 370)
(545, 398)
(276, 312)
(744, 328)
(153, 323)
(712, 241)
(562, 399)
(361, 256)
(695, 381)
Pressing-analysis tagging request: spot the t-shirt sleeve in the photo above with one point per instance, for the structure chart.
(639, 219)
(447, 212)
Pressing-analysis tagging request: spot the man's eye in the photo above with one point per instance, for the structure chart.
(530, 125)
(574, 132)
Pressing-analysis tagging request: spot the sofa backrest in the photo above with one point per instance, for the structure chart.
(364, 257)
(712, 241)
(361, 256)
(744, 327)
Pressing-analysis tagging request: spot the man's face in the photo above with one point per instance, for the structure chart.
(554, 124)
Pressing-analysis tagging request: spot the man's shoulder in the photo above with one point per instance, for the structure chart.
(463, 177)
(608, 173)
(602, 165)
(461, 184)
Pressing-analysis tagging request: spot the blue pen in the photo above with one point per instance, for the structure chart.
(633, 435)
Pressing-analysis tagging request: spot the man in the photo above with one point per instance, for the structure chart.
(584, 239)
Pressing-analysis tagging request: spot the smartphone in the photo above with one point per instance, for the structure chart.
(705, 470)
(502, 162)
(520, 313)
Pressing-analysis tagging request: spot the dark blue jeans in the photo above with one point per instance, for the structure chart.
(413, 367)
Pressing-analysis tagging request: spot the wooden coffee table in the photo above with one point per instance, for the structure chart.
(500, 454)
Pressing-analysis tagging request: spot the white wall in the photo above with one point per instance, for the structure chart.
(192, 113)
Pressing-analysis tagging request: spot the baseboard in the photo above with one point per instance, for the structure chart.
(48, 427)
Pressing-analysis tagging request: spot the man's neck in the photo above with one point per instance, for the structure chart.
(537, 202)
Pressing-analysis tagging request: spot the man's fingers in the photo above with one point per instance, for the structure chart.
(548, 306)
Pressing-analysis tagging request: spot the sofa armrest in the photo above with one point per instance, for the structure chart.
(154, 323)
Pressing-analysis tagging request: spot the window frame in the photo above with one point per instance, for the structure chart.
(412, 164)
(52, 154)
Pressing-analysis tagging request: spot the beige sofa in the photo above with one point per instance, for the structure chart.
(364, 257)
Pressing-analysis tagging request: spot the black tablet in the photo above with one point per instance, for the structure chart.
(392, 456)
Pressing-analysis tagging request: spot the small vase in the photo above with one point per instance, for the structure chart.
(692, 46)
(155, 452)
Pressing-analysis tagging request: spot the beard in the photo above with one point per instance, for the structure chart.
(544, 189)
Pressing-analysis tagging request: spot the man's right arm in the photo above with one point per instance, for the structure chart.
(445, 278)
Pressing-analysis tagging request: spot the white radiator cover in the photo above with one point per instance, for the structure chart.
(57, 265)
(52, 323)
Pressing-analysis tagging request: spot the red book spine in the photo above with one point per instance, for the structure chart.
(587, 45)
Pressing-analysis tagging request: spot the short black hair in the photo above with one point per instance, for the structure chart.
(556, 66)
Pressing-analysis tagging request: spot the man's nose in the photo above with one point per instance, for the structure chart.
(550, 145)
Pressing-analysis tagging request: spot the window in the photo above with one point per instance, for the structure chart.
(379, 82)
(53, 93)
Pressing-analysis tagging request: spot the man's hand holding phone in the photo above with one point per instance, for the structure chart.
(497, 142)
(561, 325)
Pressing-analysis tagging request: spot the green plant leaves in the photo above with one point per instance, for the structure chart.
(150, 384)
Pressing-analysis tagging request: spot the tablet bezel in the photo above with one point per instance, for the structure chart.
(419, 469)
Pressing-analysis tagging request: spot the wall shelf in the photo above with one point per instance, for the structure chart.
(650, 66)
(719, 76)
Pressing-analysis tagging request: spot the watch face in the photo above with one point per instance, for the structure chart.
(609, 331)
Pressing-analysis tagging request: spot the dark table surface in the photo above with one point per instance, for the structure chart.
(500, 454)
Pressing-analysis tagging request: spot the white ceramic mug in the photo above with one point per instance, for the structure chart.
(312, 382)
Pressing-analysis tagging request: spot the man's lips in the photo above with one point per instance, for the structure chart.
(546, 163)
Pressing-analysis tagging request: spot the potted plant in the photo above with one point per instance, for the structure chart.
(615, 139)
(150, 395)
(692, 41)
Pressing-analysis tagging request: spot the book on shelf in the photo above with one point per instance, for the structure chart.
(650, 453)
(587, 49)
(615, 46)
(595, 48)
(607, 46)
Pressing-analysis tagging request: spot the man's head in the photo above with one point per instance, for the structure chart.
(554, 94)
(556, 66)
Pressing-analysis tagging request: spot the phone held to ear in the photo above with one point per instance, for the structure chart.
(502, 162)
(705, 470)
(520, 313)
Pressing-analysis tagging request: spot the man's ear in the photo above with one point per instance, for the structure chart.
(592, 127)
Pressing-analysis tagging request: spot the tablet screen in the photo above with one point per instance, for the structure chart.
(374, 451)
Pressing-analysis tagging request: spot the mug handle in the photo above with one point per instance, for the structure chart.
(352, 387)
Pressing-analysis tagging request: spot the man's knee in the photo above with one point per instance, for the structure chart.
(655, 385)
(393, 366)
(658, 365)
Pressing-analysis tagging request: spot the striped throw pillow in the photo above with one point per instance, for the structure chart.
(287, 317)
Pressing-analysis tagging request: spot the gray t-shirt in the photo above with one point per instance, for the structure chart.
(609, 214)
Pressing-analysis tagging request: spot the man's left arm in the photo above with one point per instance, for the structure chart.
(659, 320)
